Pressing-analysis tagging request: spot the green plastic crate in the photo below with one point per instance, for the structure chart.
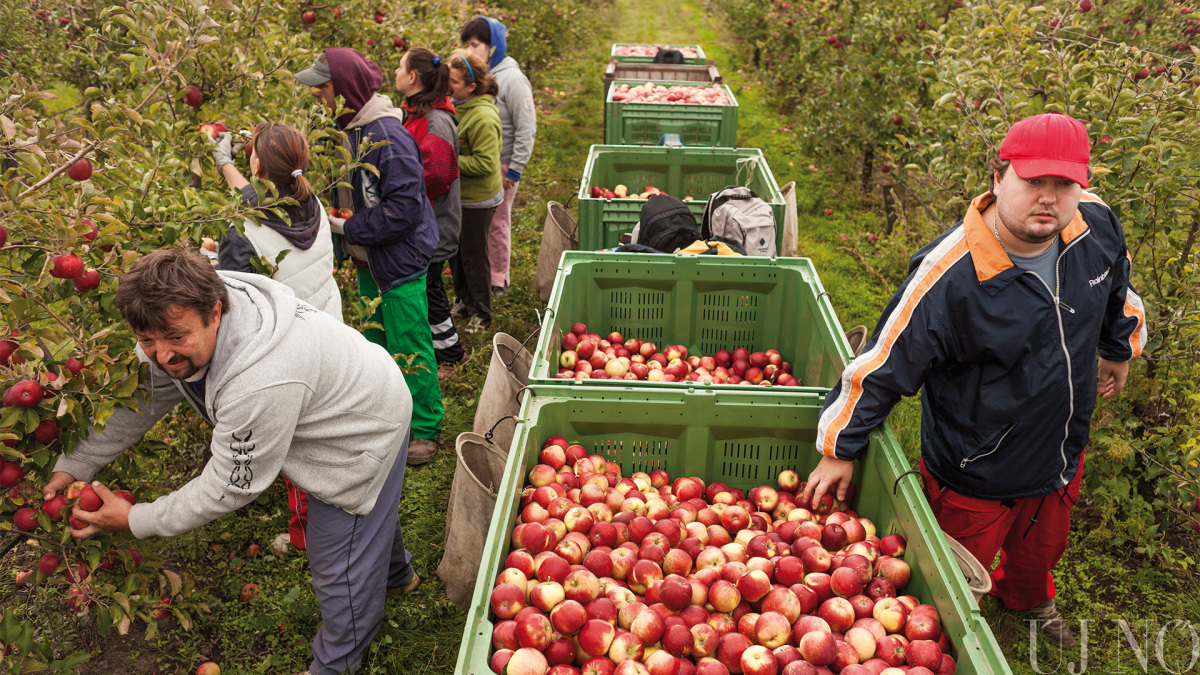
(653, 72)
(705, 303)
(741, 441)
(680, 172)
(645, 123)
(700, 58)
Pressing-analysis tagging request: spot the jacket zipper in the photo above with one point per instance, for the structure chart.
(1062, 337)
(968, 460)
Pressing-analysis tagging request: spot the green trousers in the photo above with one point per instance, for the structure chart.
(404, 315)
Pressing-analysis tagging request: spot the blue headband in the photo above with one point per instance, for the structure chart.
(469, 70)
(437, 60)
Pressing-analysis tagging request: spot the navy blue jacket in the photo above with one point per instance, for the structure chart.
(1007, 372)
(398, 227)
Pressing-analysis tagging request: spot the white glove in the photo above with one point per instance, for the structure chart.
(222, 150)
(337, 225)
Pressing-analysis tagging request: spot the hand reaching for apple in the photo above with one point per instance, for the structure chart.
(830, 475)
(112, 516)
(58, 482)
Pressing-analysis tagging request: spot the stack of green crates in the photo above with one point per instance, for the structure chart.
(742, 441)
(689, 60)
(705, 303)
(680, 172)
(646, 123)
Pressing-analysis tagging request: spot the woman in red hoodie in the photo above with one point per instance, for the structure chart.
(424, 80)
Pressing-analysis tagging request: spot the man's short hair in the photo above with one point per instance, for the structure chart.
(166, 278)
(477, 28)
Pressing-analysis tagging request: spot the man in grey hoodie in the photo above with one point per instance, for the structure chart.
(488, 38)
(287, 389)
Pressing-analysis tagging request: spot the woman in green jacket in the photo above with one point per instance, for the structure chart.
(479, 141)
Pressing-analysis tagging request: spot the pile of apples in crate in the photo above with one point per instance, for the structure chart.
(622, 192)
(644, 576)
(711, 94)
(653, 50)
(587, 356)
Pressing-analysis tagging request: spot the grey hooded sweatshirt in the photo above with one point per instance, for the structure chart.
(289, 390)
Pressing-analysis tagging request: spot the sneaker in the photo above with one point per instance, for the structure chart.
(500, 291)
(445, 370)
(459, 310)
(475, 325)
(406, 588)
(421, 450)
(1053, 624)
(282, 545)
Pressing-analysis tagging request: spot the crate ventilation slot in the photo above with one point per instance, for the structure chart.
(635, 455)
(740, 460)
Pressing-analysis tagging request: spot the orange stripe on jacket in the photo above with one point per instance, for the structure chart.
(897, 322)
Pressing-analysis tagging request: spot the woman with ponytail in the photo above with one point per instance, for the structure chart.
(424, 79)
(280, 156)
(479, 138)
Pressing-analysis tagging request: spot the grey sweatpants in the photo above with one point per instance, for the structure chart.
(354, 560)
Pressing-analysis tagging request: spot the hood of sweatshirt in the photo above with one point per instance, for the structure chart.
(499, 41)
(376, 107)
(302, 224)
(355, 78)
(474, 101)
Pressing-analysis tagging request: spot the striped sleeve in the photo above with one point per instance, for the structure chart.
(1123, 333)
(908, 342)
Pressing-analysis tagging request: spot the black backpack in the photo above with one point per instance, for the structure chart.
(669, 56)
(666, 224)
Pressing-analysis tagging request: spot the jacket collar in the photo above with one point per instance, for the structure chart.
(989, 257)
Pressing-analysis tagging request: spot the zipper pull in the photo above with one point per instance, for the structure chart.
(1064, 305)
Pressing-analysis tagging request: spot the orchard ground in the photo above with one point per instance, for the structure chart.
(1097, 582)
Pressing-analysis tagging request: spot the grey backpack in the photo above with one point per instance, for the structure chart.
(736, 215)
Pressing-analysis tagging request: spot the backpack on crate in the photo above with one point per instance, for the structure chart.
(736, 215)
(666, 224)
(669, 56)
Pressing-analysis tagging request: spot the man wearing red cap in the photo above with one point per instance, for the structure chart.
(999, 326)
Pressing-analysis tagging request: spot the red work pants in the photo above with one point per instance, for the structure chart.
(298, 507)
(1030, 535)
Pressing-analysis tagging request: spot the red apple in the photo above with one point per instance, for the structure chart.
(818, 648)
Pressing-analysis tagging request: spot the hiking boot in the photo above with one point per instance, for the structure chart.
(1053, 624)
(421, 450)
(406, 588)
(459, 310)
(282, 545)
(475, 325)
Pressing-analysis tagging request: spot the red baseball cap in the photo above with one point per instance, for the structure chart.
(1050, 144)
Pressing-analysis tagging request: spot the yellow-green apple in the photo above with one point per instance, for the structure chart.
(891, 613)
(863, 642)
